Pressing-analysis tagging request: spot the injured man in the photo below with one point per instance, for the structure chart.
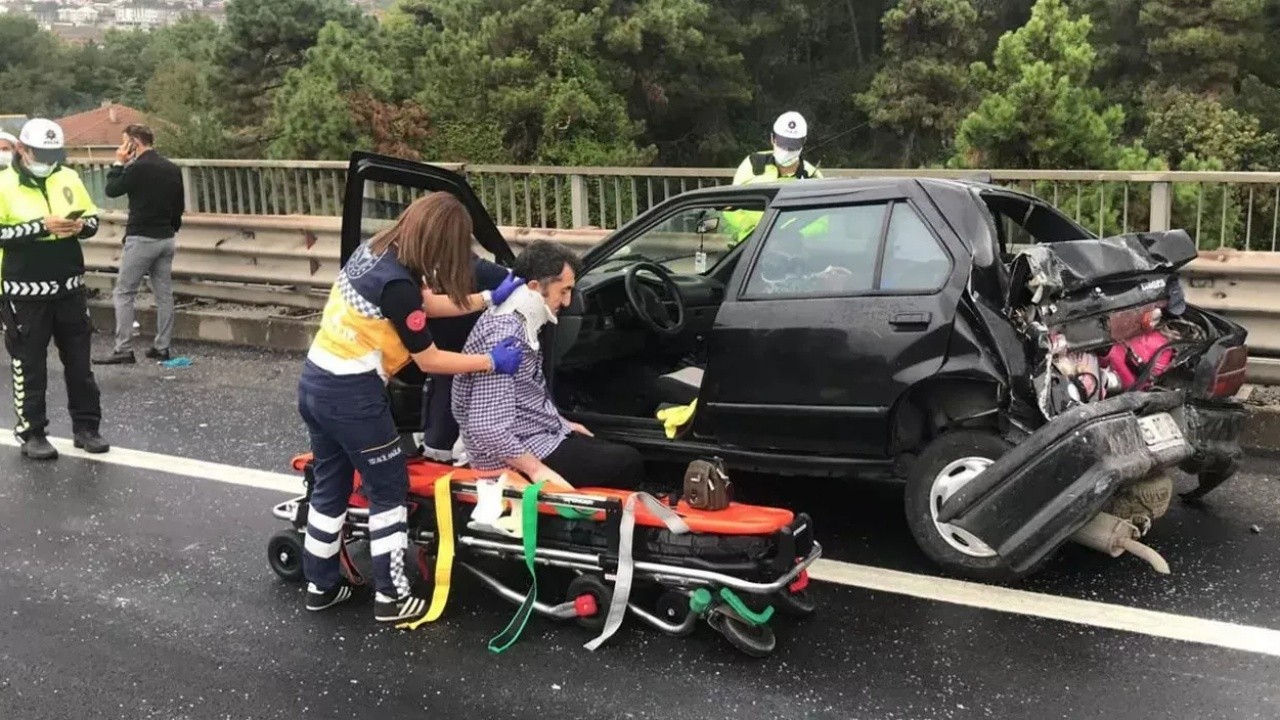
(510, 421)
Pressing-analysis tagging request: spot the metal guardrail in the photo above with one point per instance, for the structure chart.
(1222, 210)
(286, 260)
(291, 261)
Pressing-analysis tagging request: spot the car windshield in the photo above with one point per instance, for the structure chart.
(688, 241)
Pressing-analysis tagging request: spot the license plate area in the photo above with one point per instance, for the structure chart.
(1160, 432)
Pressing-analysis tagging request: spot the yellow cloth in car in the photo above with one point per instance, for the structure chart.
(673, 418)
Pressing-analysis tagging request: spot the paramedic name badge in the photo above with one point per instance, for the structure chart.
(700, 262)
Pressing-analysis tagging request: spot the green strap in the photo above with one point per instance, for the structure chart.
(509, 635)
(571, 513)
(745, 612)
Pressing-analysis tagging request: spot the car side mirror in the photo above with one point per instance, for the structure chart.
(708, 225)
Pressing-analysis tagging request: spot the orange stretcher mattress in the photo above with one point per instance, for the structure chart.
(737, 519)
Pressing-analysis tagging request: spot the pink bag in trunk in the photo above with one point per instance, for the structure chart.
(1126, 359)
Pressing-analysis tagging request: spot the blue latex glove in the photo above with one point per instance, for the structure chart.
(506, 356)
(505, 288)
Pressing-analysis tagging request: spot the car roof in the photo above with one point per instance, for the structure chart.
(824, 187)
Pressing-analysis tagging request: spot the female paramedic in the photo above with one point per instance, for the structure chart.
(374, 324)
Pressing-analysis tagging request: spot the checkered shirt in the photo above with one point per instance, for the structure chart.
(502, 417)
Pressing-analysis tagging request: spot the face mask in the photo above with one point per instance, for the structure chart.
(532, 309)
(6, 158)
(785, 157)
(41, 170)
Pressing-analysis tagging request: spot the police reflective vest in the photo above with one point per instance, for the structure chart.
(354, 336)
(34, 263)
(760, 167)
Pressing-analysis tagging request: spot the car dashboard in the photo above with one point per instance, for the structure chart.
(600, 324)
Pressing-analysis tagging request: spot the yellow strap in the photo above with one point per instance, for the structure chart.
(444, 558)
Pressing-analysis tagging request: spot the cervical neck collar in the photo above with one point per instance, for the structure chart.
(531, 308)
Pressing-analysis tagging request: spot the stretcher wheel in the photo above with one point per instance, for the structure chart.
(795, 604)
(595, 587)
(284, 555)
(673, 607)
(755, 640)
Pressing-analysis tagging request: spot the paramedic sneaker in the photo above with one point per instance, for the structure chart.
(317, 600)
(387, 609)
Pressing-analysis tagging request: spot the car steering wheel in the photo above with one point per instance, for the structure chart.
(648, 305)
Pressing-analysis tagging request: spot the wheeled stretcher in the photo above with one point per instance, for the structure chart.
(732, 568)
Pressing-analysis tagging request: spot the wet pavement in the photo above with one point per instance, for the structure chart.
(127, 593)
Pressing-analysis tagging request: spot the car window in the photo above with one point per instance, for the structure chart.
(689, 241)
(913, 259)
(384, 202)
(1022, 222)
(820, 251)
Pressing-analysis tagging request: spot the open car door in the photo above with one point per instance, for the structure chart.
(380, 187)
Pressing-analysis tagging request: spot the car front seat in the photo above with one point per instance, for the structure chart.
(680, 387)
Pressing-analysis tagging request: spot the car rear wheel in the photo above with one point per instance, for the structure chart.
(947, 464)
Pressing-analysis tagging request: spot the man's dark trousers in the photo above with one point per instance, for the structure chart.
(29, 325)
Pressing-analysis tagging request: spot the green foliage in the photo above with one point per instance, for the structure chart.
(924, 89)
(1039, 110)
(1182, 125)
(1066, 83)
(313, 115)
(263, 40)
(1199, 45)
(35, 71)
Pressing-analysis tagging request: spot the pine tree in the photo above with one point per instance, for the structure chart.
(924, 89)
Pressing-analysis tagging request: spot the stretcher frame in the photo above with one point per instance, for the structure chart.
(796, 552)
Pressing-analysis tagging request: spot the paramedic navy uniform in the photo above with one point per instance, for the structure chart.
(43, 296)
(372, 322)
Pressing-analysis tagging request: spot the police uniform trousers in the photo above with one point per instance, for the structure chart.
(29, 325)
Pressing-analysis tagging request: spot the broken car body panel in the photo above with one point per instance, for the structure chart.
(1032, 499)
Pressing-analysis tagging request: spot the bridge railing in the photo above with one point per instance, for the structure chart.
(1221, 210)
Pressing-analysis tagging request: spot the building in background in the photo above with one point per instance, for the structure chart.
(12, 124)
(95, 134)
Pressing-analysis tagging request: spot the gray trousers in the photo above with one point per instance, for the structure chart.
(145, 256)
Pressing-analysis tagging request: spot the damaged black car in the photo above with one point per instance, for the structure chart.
(1031, 383)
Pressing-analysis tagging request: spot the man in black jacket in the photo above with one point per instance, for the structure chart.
(156, 204)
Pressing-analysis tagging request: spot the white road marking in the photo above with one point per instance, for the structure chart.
(1053, 607)
(141, 460)
(1248, 638)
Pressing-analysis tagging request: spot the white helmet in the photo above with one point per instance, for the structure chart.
(790, 131)
(45, 140)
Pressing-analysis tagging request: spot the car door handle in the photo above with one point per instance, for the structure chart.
(911, 319)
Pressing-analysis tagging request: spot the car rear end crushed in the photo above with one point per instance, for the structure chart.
(1127, 383)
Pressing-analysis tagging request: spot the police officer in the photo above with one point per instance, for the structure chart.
(45, 211)
(8, 144)
(783, 162)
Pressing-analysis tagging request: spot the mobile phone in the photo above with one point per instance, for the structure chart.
(75, 214)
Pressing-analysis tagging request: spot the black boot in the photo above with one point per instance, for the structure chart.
(37, 447)
(120, 358)
(161, 355)
(90, 441)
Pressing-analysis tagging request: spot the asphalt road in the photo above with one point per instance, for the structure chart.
(130, 593)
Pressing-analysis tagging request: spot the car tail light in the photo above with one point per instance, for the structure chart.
(1230, 373)
(1136, 321)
